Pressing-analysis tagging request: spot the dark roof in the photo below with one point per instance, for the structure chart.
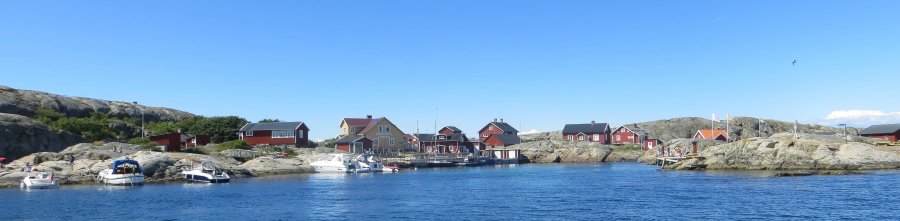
(271, 126)
(586, 128)
(349, 139)
(454, 129)
(425, 137)
(881, 129)
(505, 127)
(636, 130)
(508, 139)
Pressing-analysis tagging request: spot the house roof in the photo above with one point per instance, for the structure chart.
(881, 129)
(425, 137)
(508, 139)
(586, 128)
(271, 126)
(454, 129)
(351, 138)
(409, 136)
(711, 134)
(505, 127)
(635, 129)
(358, 122)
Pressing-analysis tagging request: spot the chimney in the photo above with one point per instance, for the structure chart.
(495, 119)
(369, 116)
(501, 120)
(592, 123)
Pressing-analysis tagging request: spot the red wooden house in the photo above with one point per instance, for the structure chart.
(888, 132)
(592, 132)
(173, 142)
(711, 135)
(276, 133)
(499, 134)
(353, 144)
(629, 134)
(448, 140)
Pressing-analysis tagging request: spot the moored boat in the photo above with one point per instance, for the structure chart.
(125, 172)
(38, 180)
(206, 172)
(335, 163)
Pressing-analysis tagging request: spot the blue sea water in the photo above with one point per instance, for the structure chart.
(518, 192)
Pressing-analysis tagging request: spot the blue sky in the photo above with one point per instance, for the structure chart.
(537, 64)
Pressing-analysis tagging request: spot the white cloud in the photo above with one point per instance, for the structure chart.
(862, 117)
(532, 131)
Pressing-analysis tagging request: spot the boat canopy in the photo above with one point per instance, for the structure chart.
(127, 161)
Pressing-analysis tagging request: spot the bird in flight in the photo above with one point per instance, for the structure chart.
(794, 63)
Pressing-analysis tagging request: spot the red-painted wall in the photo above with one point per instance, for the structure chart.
(265, 137)
(446, 131)
(172, 141)
(624, 135)
(889, 137)
(487, 132)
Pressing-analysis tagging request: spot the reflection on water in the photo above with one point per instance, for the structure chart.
(528, 191)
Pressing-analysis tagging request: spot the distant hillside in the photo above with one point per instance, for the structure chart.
(24, 115)
(27, 103)
(685, 127)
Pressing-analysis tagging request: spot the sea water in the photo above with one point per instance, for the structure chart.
(516, 192)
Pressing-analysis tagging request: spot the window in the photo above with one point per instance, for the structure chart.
(484, 135)
(618, 137)
(570, 137)
(596, 137)
(249, 133)
(581, 137)
(282, 133)
(491, 128)
(375, 141)
(301, 134)
(391, 141)
(384, 129)
(442, 137)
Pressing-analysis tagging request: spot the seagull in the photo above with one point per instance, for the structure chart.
(794, 63)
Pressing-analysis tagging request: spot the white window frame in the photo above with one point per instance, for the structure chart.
(249, 133)
(283, 133)
(484, 135)
(596, 137)
(618, 137)
(491, 128)
(391, 141)
(300, 135)
(580, 137)
(571, 137)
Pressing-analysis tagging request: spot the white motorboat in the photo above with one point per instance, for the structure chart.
(206, 172)
(336, 163)
(370, 163)
(124, 172)
(38, 180)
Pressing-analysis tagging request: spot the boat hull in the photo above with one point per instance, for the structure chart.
(123, 179)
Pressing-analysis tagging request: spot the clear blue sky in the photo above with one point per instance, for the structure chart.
(538, 64)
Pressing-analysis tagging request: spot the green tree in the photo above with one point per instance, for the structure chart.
(162, 127)
(267, 120)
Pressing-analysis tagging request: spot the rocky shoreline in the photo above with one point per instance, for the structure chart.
(789, 152)
(158, 166)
